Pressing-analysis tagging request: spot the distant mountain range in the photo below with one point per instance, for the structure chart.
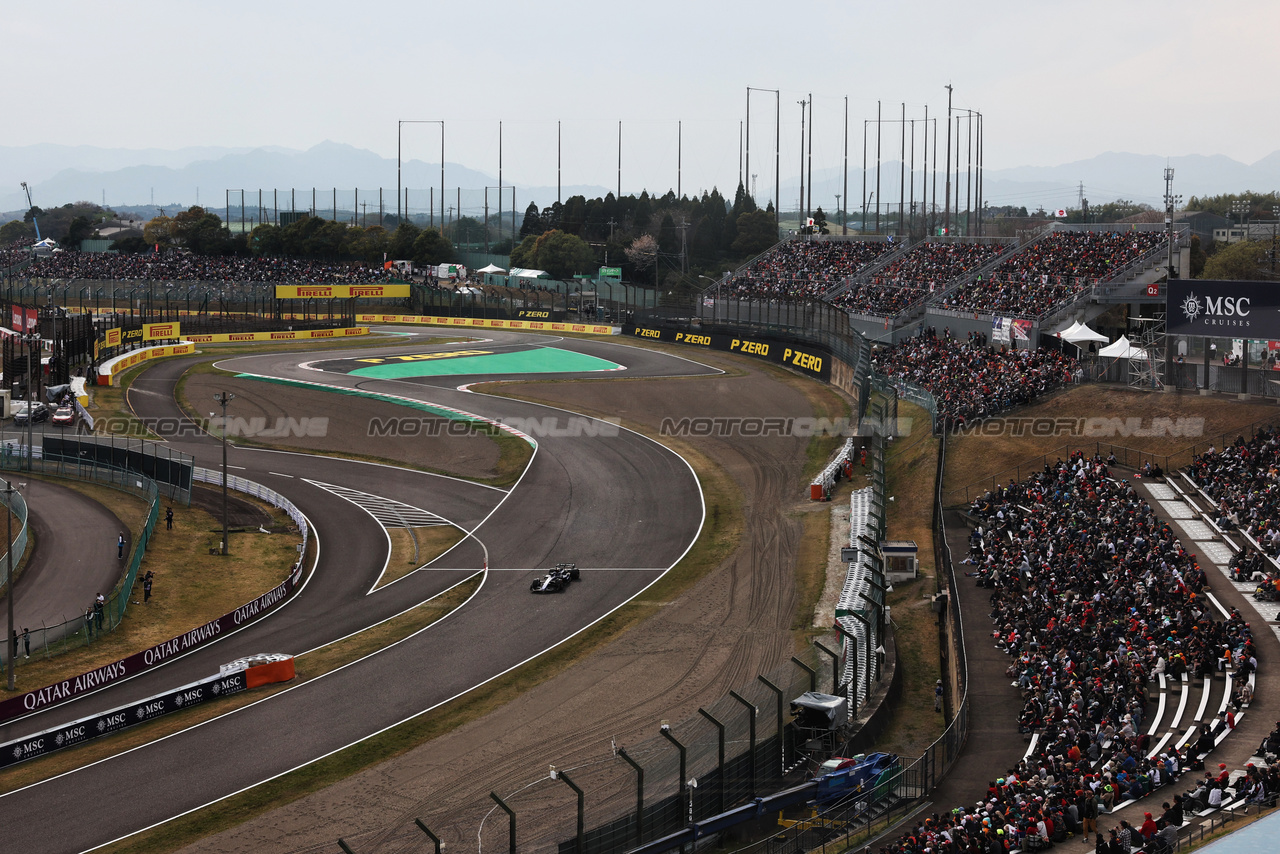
(141, 180)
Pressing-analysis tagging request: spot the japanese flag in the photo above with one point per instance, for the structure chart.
(1060, 212)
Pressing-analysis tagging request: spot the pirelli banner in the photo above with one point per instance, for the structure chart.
(299, 335)
(814, 361)
(112, 337)
(1223, 309)
(489, 323)
(342, 291)
(160, 331)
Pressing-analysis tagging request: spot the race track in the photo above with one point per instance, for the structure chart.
(619, 505)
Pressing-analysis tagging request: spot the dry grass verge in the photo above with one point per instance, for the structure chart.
(407, 555)
(910, 469)
(191, 587)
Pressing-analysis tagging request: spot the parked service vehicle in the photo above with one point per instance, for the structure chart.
(64, 416)
(38, 412)
(556, 580)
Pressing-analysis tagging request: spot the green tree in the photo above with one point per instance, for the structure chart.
(643, 213)
(1241, 260)
(526, 254)
(431, 247)
(532, 222)
(200, 231)
(264, 240)
(158, 231)
(756, 233)
(402, 241)
(562, 255)
(14, 230)
(668, 239)
(79, 229)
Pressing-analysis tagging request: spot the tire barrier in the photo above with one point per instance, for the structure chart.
(840, 466)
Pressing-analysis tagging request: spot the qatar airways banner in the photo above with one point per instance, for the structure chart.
(67, 689)
(1223, 309)
(105, 723)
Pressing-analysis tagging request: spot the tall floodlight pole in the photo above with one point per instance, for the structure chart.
(777, 158)
(844, 220)
(902, 169)
(862, 226)
(808, 204)
(399, 126)
(800, 214)
(946, 209)
(223, 398)
(878, 196)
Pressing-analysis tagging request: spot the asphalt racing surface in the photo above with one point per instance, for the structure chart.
(622, 507)
(73, 561)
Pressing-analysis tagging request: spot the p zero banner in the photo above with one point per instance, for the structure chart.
(106, 723)
(113, 337)
(299, 335)
(1222, 309)
(342, 291)
(814, 361)
(160, 331)
(488, 323)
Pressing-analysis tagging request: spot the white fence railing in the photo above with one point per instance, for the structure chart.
(257, 490)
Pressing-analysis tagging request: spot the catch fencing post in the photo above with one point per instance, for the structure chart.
(435, 839)
(511, 815)
(720, 756)
(622, 751)
(752, 711)
(582, 833)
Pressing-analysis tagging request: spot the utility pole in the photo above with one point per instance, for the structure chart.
(223, 398)
(12, 637)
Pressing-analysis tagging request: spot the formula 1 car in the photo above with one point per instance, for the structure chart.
(556, 580)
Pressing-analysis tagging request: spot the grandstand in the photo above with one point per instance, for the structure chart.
(802, 269)
(889, 289)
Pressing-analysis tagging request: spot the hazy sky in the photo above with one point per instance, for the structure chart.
(1056, 82)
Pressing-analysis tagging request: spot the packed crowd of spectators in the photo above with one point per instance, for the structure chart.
(17, 252)
(971, 380)
(1052, 270)
(186, 267)
(1093, 598)
(1243, 479)
(802, 269)
(925, 269)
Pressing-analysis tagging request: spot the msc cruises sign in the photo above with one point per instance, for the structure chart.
(1223, 309)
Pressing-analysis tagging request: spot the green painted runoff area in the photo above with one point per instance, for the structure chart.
(542, 360)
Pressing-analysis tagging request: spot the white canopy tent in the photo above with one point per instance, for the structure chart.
(491, 268)
(1122, 349)
(1081, 334)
